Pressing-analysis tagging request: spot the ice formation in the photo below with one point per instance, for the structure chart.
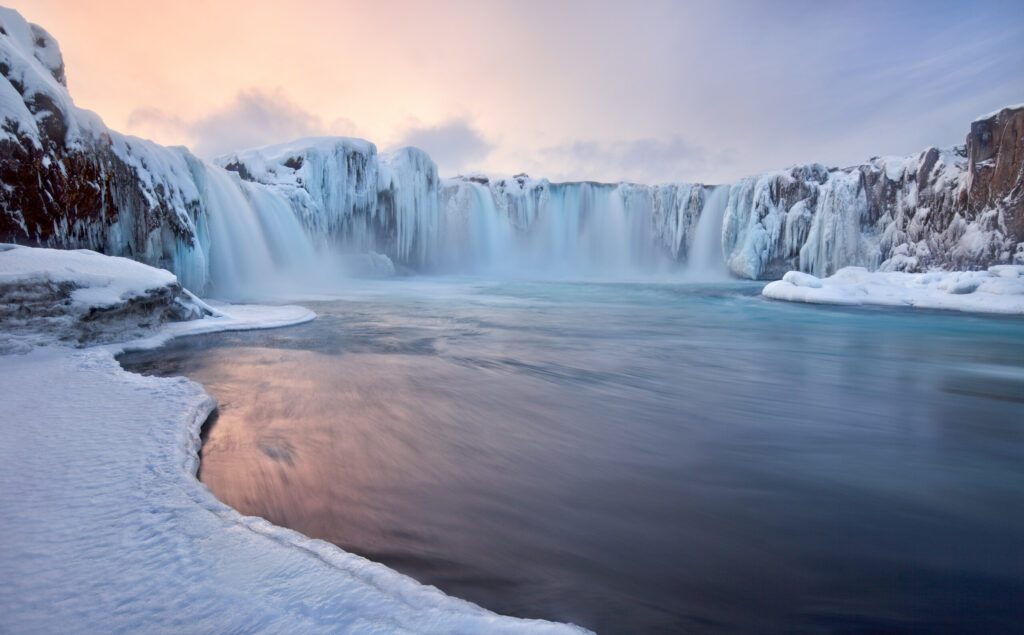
(303, 209)
(893, 213)
(1000, 289)
(942, 208)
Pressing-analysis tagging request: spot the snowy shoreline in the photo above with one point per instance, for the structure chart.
(105, 524)
(999, 290)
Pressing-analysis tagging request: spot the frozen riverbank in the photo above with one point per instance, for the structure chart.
(105, 526)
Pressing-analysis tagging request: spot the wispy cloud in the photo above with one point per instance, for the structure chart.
(455, 145)
(253, 118)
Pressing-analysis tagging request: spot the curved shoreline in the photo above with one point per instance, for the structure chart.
(132, 540)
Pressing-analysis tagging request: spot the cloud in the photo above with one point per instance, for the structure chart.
(455, 145)
(644, 160)
(254, 118)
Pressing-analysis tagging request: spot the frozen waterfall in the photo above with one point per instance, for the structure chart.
(532, 227)
(300, 216)
(252, 241)
(545, 229)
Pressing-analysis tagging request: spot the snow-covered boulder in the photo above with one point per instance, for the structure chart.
(82, 297)
(1000, 289)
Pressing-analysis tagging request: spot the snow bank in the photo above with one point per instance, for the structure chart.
(100, 281)
(82, 297)
(105, 527)
(1000, 289)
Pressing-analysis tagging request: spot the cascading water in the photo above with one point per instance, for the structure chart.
(706, 262)
(256, 244)
(288, 215)
(541, 229)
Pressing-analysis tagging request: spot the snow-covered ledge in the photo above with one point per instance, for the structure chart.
(1000, 289)
(105, 527)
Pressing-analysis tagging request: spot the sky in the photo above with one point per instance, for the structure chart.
(645, 91)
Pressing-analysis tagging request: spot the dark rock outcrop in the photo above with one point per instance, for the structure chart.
(995, 153)
(70, 182)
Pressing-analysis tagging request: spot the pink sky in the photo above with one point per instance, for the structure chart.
(667, 91)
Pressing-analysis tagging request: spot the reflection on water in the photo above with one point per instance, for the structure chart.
(639, 458)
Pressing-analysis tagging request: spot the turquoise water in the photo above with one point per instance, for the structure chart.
(639, 457)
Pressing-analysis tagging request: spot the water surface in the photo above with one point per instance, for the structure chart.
(638, 457)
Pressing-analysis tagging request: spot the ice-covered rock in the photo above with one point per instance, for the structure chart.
(82, 297)
(71, 182)
(331, 182)
(1000, 289)
(351, 198)
(955, 208)
(959, 208)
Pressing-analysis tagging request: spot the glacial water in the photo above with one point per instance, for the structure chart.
(638, 457)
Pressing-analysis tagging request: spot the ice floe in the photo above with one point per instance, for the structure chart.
(1000, 289)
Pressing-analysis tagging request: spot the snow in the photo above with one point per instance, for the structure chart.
(329, 182)
(105, 527)
(100, 280)
(81, 297)
(32, 58)
(996, 112)
(1000, 289)
(229, 317)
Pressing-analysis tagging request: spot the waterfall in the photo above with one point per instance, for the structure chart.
(542, 229)
(297, 218)
(707, 262)
(256, 244)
